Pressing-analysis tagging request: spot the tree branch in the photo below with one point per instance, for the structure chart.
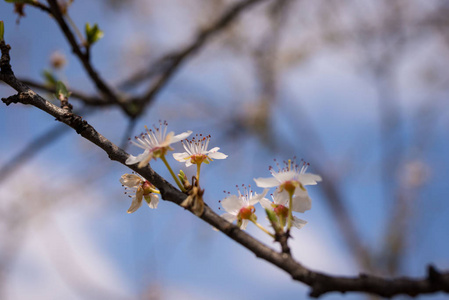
(319, 282)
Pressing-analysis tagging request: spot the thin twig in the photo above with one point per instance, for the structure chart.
(128, 132)
(101, 85)
(176, 59)
(87, 99)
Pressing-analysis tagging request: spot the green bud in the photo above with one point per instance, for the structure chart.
(183, 178)
(271, 216)
(182, 175)
(21, 1)
(50, 79)
(61, 89)
(2, 30)
(274, 221)
(93, 34)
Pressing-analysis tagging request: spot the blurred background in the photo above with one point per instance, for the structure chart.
(356, 88)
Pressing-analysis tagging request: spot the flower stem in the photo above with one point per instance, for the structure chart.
(262, 228)
(75, 28)
(172, 173)
(290, 216)
(198, 167)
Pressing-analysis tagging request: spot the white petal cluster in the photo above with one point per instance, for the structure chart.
(155, 143)
(295, 175)
(291, 172)
(281, 198)
(234, 204)
(196, 152)
(139, 190)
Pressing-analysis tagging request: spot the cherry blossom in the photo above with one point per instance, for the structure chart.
(241, 207)
(289, 178)
(280, 206)
(197, 153)
(141, 189)
(155, 142)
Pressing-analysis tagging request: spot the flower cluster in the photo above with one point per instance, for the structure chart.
(290, 195)
(292, 179)
(289, 181)
(156, 143)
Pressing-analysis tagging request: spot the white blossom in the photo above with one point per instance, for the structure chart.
(197, 153)
(280, 206)
(241, 207)
(155, 143)
(141, 189)
(290, 174)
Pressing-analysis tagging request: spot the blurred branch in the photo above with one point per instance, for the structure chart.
(128, 132)
(303, 126)
(266, 59)
(84, 57)
(33, 148)
(87, 99)
(164, 68)
(77, 278)
(40, 6)
(174, 61)
(391, 37)
(319, 282)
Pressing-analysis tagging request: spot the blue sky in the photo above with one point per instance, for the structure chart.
(83, 245)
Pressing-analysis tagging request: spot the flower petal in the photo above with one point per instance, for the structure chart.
(232, 204)
(285, 176)
(182, 157)
(298, 223)
(244, 224)
(309, 179)
(167, 141)
(213, 150)
(256, 198)
(154, 201)
(137, 201)
(179, 137)
(217, 155)
(266, 182)
(301, 202)
(281, 198)
(229, 217)
(144, 162)
(131, 160)
(131, 180)
(266, 203)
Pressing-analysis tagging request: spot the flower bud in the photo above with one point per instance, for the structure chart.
(281, 210)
